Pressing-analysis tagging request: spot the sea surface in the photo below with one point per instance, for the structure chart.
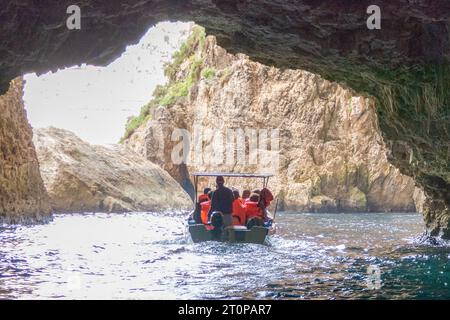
(149, 256)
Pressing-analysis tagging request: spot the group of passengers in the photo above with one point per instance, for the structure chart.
(236, 210)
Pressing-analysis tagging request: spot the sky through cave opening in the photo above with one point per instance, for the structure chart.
(96, 102)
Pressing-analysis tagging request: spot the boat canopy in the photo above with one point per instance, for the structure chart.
(196, 175)
(232, 174)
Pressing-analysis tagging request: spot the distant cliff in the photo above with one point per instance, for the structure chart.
(23, 197)
(331, 155)
(80, 177)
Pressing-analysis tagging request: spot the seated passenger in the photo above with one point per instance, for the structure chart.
(205, 206)
(252, 208)
(245, 195)
(239, 216)
(204, 197)
(266, 198)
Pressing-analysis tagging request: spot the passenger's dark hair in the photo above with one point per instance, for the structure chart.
(206, 190)
(257, 191)
(255, 221)
(246, 194)
(254, 197)
(236, 194)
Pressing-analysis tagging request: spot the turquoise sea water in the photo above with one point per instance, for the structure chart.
(148, 256)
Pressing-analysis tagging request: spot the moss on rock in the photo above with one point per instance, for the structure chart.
(178, 85)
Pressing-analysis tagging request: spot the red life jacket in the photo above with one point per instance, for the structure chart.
(252, 210)
(205, 206)
(203, 198)
(239, 213)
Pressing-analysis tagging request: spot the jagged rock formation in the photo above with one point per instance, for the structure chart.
(23, 197)
(331, 158)
(405, 66)
(84, 178)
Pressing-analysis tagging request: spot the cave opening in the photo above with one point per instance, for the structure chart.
(362, 131)
(176, 71)
(407, 75)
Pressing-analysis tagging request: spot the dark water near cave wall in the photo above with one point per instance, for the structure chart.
(146, 256)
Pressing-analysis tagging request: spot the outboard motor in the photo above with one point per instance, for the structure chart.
(255, 221)
(216, 221)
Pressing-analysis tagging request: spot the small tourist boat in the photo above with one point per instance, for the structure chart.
(257, 234)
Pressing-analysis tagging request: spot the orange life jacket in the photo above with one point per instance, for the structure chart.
(239, 214)
(205, 206)
(252, 210)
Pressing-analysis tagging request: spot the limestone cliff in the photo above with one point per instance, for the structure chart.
(22, 194)
(331, 155)
(81, 177)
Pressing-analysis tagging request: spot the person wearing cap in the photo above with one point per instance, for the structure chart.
(204, 197)
(222, 200)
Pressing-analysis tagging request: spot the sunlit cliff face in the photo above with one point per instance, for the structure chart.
(404, 65)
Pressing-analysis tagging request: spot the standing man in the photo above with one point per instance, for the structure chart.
(222, 200)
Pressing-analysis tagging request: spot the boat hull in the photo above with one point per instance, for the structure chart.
(256, 235)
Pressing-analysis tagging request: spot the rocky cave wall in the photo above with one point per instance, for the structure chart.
(80, 177)
(405, 65)
(23, 197)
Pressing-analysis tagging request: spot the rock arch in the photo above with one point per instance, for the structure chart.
(405, 65)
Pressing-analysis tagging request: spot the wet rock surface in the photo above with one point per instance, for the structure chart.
(23, 197)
